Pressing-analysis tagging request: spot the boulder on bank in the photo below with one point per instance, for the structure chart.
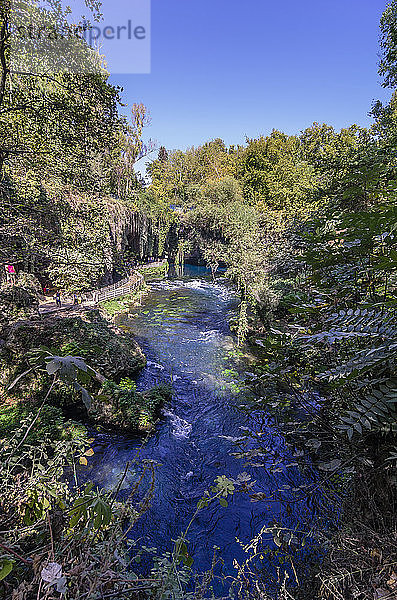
(114, 355)
(126, 409)
(17, 302)
(86, 334)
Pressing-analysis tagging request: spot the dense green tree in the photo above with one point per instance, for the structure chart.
(162, 155)
(275, 174)
(388, 45)
(62, 140)
(173, 178)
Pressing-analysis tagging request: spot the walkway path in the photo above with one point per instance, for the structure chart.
(49, 306)
(121, 288)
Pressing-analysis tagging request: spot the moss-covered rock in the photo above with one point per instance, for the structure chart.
(87, 334)
(17, 302)
(113, 354)
(105, 348)
(125, 409)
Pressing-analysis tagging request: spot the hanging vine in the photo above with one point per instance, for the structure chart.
(162, 229)
(242, 329)
(183, 246)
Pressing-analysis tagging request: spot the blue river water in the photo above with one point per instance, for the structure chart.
(183, 329)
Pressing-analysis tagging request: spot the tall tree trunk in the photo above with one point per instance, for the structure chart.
(4, 35)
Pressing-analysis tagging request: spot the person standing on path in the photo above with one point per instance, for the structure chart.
(58, 299)
(10, 274)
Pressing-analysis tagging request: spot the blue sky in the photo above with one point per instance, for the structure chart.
(222, 68)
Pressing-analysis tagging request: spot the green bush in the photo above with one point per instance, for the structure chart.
(50, 425)
(122, 407)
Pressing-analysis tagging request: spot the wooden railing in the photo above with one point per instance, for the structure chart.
(125, 286)
(121, 288)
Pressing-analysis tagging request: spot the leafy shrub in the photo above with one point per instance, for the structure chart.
(122, 407)
(49, 425)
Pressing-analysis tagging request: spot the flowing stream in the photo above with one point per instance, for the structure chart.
(183, 329)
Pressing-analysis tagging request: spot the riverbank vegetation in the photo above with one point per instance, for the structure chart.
(122, 304)
(305, 227)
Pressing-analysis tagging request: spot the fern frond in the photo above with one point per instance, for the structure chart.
(374, 411)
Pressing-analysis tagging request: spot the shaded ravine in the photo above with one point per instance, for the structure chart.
(183, 330)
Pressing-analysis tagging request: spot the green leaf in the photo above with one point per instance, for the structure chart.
(53, 366)
(86, 397)
(6, 566)
(189, 561)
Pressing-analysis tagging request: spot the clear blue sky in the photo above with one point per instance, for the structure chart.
(230, 69)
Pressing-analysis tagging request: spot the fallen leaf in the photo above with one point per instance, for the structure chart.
(51, 572)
